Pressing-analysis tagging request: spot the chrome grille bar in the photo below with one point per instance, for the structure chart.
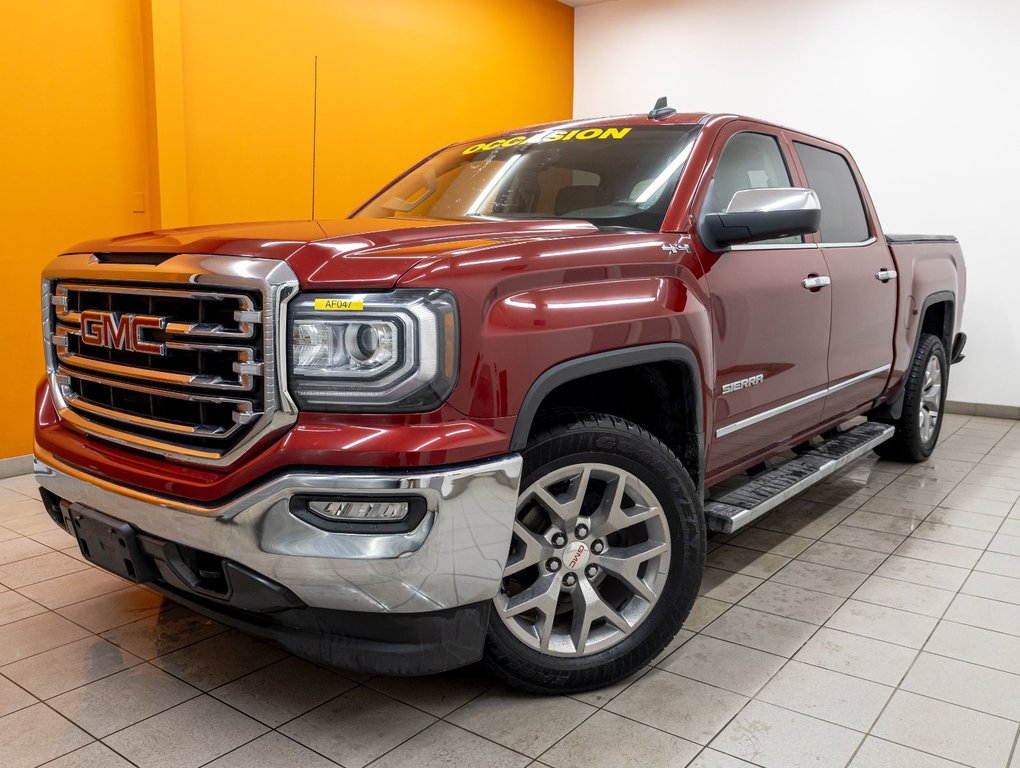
(243, 366)
(202, 384)
(242, 409)
(215, 330)
(246, 316)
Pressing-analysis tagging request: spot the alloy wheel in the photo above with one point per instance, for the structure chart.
(931, 399)
(588, 560)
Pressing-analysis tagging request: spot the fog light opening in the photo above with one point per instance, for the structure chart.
(352, 509)
(357, 513)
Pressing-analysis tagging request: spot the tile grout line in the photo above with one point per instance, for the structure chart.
(364, 684)
(447, 722)
(200, 692)
(442, 719)
(650, 668)
(141, 660)
(1013, 750)
(809, 638)
(262, 735)
(94, 740)
(936, 509)
(59, 608)
(276, 729)
(921, 649)
(917, 654)
(157, 611)
(597, 707)
(593, 713)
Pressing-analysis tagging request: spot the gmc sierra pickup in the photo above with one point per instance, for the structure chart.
(482, 416)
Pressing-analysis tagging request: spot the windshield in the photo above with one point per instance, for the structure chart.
(612, 176)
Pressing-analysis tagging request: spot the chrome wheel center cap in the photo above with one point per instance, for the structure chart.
(575, 556)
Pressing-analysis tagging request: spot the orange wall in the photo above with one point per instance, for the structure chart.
(73, 154)
(208, 108)
(395, 80)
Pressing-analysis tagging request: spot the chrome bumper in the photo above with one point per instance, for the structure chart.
(454, 557)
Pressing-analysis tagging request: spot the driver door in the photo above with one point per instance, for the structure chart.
(770, 331)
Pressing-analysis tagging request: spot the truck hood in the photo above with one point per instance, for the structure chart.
(366, 253)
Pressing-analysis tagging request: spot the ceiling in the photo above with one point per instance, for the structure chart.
(579, 3)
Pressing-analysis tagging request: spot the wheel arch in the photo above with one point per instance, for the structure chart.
(594, 369)
(938, 316)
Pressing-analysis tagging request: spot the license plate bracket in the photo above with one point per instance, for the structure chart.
(111, 544)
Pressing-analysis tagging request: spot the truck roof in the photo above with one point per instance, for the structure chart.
(685, 118)
(679, 118)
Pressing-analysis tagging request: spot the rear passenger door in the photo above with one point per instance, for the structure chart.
(863, 276)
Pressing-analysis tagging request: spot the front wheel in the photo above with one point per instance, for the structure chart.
(924, 399)
(605, 560)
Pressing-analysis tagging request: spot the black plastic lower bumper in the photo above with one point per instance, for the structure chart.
(381, 643)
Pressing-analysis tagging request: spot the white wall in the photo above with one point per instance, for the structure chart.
(924, 94)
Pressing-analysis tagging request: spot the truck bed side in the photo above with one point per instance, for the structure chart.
(931, 273)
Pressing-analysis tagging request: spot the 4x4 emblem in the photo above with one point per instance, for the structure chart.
(115, 330)
(676, 248)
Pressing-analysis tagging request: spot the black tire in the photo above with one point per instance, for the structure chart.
(909, 443)
(599, 439)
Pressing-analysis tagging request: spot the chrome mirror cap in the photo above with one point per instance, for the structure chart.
(774, 199)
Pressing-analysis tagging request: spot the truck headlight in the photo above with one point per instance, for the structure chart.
(394, 351)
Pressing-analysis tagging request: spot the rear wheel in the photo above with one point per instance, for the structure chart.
(924, 399)
(606, 557)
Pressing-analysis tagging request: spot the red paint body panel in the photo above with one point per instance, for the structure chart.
(532, 294)
(316, 440)
(763, 322)
(926, 269)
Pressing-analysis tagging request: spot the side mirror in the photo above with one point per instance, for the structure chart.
(762, 214)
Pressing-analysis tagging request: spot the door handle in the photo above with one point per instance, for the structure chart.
(885, 275)
(814, 282)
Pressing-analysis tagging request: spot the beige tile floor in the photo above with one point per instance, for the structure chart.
(872, 622)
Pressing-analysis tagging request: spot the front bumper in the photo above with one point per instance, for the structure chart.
(454, 557)
(408, 603)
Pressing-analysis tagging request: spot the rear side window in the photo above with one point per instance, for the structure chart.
(829, 175)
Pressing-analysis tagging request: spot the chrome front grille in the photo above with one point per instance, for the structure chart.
(209, 339)
(177, 358)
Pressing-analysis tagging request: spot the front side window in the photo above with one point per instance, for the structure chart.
(748, 161)
(612, 176)
(829, 175)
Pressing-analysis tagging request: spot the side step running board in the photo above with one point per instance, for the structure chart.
(741, 506)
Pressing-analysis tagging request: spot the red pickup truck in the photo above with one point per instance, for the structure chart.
(482, 416)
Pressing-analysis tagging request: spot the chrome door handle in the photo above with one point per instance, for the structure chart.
(885, 275)
(815, 282)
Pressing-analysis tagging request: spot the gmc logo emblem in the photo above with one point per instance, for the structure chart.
(572, 563)
(119, 331)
